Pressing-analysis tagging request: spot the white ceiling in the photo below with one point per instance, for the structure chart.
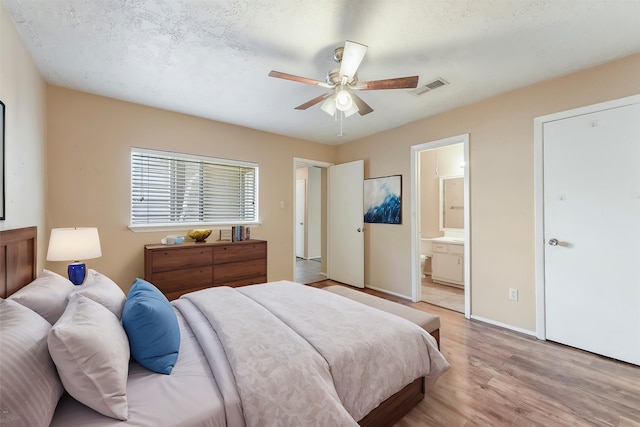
(210, 58)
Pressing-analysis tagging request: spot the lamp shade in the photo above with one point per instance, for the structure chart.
(343, 100)
(329, 105)
(352, 110)
(74, 244)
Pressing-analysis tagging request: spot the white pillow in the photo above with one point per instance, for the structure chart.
(102, 290)
(47, 295)
(91, 352)
(29, 384)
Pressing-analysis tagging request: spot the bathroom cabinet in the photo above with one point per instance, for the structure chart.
(448, 264)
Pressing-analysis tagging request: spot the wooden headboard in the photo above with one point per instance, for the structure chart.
(18, 259)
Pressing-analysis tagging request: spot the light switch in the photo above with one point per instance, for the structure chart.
(281, 204)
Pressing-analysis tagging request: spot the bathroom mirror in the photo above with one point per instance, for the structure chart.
(451, 203)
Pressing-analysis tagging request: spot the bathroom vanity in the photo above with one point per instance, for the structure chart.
(448, 261)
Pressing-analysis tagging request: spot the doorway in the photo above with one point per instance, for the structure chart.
(440, 231)
(589, 239)
(310, 222)
(341, 224)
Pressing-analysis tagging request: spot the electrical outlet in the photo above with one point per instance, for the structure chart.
(513, 294)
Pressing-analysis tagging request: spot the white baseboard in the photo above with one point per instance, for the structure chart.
(386, 291)
(504, 325)
(478, 318)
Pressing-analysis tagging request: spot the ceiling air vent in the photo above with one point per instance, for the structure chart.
(430, 86)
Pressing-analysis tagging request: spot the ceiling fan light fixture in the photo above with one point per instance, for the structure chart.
(344, 101)
(343, 82)
(329, 105)
(351, 111)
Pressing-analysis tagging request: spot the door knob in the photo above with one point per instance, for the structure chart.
(553, 242)
(359, 230)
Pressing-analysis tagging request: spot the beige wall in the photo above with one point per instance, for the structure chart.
(436, 163)
(89, 142)
(501, 185)
(429, 195)
(23, 92)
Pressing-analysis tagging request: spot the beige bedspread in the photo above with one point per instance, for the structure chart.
(301, 356)
(372, 354)
(281, 379)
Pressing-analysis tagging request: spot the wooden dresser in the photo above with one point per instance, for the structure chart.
(178, 269)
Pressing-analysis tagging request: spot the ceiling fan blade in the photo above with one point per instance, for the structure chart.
(398, 83)
(313, 102)
(352, 56)
(363, 107)
(299, 79)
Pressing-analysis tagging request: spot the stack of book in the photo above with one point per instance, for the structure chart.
(240, 232)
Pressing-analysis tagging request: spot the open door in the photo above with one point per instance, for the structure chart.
(301, 197)
(346, 224)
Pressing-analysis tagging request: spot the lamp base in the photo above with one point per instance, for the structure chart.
(77, 272)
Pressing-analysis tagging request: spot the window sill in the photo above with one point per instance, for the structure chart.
(187, 227)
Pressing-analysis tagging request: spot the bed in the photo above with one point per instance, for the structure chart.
(278, 353)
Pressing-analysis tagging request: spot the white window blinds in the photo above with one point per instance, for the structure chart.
(173, 188)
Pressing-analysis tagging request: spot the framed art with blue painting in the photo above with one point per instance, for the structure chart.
(382, 200)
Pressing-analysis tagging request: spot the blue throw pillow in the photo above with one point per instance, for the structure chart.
(152, 327)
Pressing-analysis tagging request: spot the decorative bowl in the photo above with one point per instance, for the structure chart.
(199, 235)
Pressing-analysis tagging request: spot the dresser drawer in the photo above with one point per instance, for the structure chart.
(239, 252)
(182, 280)
(188, 267)
(233, 271)
(171, 259)
(177, 294)
(244, 282)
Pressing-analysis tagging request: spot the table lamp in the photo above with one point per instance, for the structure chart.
(74, 244)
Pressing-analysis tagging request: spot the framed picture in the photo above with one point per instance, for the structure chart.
(382, 200)
(2, 208)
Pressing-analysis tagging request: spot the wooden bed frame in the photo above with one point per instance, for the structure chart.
(18, 259)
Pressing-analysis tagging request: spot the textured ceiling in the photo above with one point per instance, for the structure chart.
(210, 58)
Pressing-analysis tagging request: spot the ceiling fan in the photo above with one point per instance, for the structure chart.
(343, 83)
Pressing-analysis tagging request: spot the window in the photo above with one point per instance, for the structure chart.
(170, 189)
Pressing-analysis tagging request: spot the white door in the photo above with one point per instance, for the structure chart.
(300, 213)
(345, 223)
(592, 232)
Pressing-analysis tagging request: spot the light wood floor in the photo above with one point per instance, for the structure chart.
(450, 297)
(308, 271)
(503, 378)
